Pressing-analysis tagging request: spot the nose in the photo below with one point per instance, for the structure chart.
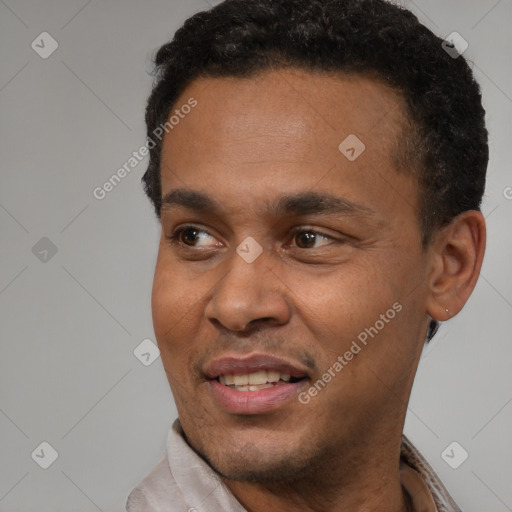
(248, 294)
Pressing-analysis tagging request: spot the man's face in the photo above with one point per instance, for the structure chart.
(340, 256)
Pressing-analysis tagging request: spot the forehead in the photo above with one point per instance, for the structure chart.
(281, 130)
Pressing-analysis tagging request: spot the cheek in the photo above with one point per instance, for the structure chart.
(163, 299)
(343, 302)
(169, 312)
(171, 301)
(360, 303)
(178, 304)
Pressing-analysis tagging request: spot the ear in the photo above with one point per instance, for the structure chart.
(457, 252)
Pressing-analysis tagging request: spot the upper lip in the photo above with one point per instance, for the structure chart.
(241, 365)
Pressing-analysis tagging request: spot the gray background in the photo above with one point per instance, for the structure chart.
(70, 324)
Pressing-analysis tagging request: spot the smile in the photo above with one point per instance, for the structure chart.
(255, 381)
(255, 384)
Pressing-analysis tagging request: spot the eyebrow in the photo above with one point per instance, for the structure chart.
(305, 203)
(191, 200)
(310, 203)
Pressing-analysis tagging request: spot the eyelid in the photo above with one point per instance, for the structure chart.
(311, 229)
(174, 236)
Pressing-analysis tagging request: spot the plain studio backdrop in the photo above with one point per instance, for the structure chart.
(76, 271)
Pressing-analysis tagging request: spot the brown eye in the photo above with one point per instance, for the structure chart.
(189, 236)
(305, 240)
(310, 239)
(192, 236)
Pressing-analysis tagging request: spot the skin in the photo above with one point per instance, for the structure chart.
(247, 143)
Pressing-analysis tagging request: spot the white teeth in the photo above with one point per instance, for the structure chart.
(253, 381)
(257, 378)
(255, 388)
(240, 380)
(272, 376)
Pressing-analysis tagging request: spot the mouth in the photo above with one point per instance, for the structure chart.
(254, 384)
(261, 379)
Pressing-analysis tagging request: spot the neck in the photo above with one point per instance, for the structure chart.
(367, 480)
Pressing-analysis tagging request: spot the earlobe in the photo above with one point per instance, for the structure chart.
(457, 252)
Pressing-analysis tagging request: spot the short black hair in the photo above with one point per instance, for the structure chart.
(446, 140)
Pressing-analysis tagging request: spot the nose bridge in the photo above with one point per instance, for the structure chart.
(248, 291)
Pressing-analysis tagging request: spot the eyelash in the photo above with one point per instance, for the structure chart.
(175, 236)
(306, 229)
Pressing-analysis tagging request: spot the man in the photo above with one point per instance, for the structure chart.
(317, 168)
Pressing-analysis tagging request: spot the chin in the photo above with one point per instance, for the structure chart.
(264, 463)
(270, 471)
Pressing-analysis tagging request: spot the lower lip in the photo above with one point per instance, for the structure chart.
(255, 402)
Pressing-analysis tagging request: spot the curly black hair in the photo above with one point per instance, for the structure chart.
(446, 140)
